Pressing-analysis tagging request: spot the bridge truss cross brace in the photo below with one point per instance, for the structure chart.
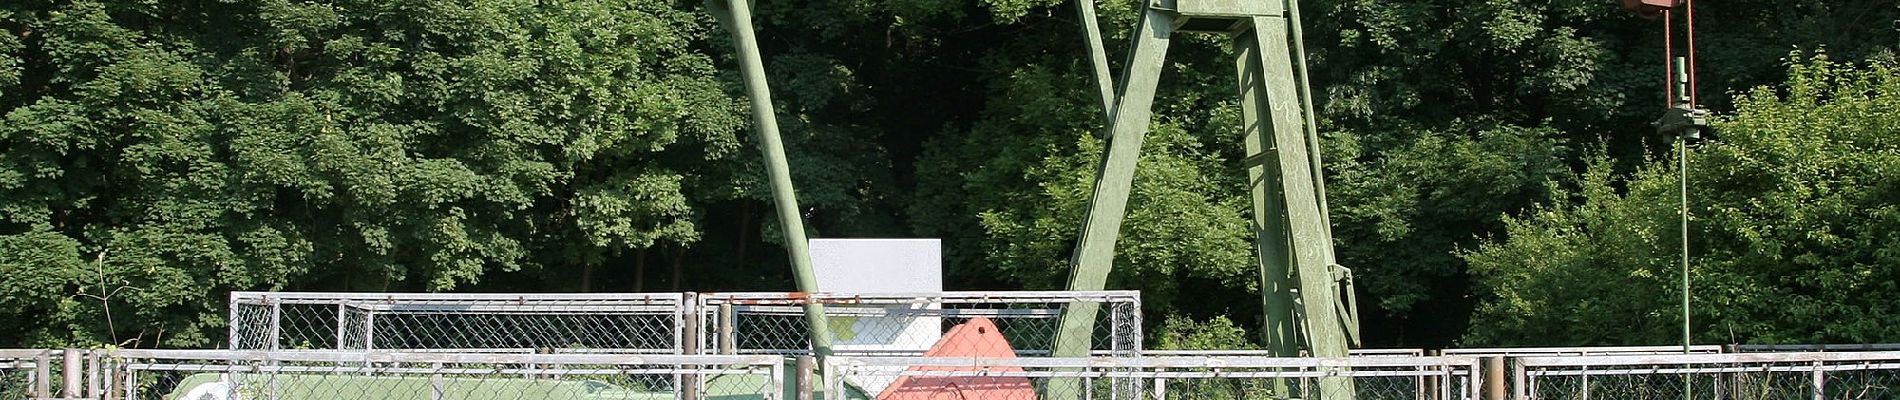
(1307, 295)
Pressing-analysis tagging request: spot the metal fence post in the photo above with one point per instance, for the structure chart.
(436, 387)
(1494, 378)
(93, 375)
(276, 326)
(43, 375)
(690, 344)
(70, 369)
(806, 382)
(728, 335)
(1820, 381)
(1522, 383)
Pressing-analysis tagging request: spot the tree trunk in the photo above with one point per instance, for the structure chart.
(745, 227)
(640, 270)
(679, 273)
(587, 278)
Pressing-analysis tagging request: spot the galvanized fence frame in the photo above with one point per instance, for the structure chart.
(723, 328)
(26, 374)
(1874, 374)
(539, 322)
(1440, 377)
(135, 374)
(1265, 353)
(1501, 360)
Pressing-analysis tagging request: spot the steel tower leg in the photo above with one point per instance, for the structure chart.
(736, 15)
(1095, 254)
(1310, 245)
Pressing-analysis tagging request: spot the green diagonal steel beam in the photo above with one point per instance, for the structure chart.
(1311, 247)
(1098, 58)
(1095, 253)
(1269, 212)
(736, 16)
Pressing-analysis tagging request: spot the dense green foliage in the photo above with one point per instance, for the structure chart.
(155, 154)
(1794, 232)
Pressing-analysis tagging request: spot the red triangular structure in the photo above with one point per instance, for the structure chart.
(977, 337)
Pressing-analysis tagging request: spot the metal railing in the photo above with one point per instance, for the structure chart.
(1391, 377)
(908, 324)
(646, 323)
(329, 375)
(441, 374)
(1788, 348)
(1581, 351)
(1841, 375)
(25, 374)
(1265, 353)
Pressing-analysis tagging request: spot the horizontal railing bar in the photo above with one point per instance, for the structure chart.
(922, 297)
(439, 297)
(1785, 368)
(1778, 348)
(27, 353)
(502, 350)
(534, 308)
(1159, 362)
(1143, 374)
(548, 371)
(1679, 359)
(868, 311)
(1268, 353)
(424, 357)
(1605, 350)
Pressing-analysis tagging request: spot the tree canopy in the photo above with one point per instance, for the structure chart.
(1792, 230)
(1492, 173)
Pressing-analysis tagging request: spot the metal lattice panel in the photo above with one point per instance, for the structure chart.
(567, 323)
(908, 324)
(1390, 377)
(326, 375)
(1858, 375)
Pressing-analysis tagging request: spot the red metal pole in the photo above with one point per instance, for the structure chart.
(1669, 57)
(1689, 9)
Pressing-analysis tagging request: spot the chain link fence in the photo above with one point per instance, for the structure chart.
(330, 375)
(638, 323)
(910, 324)
(25, 374)
(1845, 375)
(1388, 377)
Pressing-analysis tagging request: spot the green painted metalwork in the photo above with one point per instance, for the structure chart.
(736, 16)
(1098, 58)
(1310, 247)
(1269, 212)
(1302, 284)
(1115, 176)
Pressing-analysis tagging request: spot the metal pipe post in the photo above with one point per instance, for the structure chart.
(1494, 378)
(694, 323)
(727, 326)
(807, 381)
(1683, 168)
(737, 16)
(70, 369)
(43, 375)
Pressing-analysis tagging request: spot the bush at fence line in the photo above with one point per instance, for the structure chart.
(1218, 333)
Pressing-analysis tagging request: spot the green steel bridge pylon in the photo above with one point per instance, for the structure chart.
(1309, 306)
(1307, 295)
